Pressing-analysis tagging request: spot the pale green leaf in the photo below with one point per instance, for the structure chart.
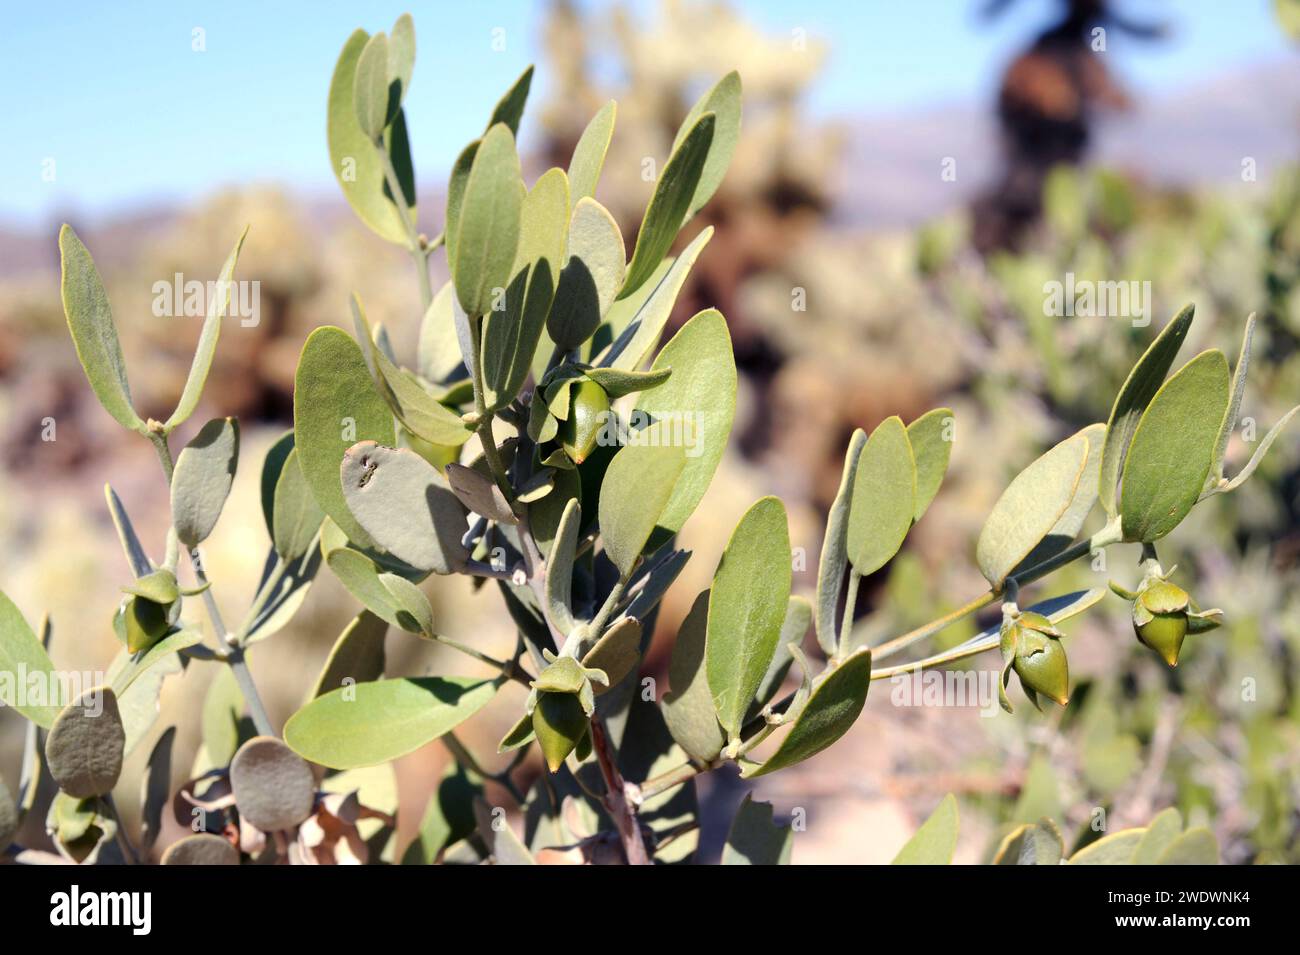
(1171, 452)
(755, 838)
(335, 406)
(723, 100)
(589, 154)
(592, 275)
(357, 655)
(1063, 533)
(510, 108)
(488, 222)
(695, 407)
(559, 568)
(1194, 847)
(377, 722)
(1160, 834)
(931, 439)
(353, 155)
(688, 707)
(936, 840)
(404, 607)
(678, 181)
(1029, 508)
(884, 497)
(616, 653)
(837, 698)
(207, 346)
(1234, 406)
(751, 590)
(1244, 474)
(642, 328)
(140, 663)
(204, 472)
(438, 351)
(90, 319)
(22, 655)
(1139, 388)
(1117, 848)
(272, 468)
(835, 555)
(370, 87)
(637, 487)
(131, 545)
(296, 517)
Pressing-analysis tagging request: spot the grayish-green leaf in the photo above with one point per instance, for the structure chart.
(86, 744)
(335, 406)
(22, 652)
(1234, 406)
(223, 705)
(696, 406)
(131, 545)
(755, 838)
(616, 653)
(751, 590)
(616, 383)
(931, 439)
(296, 517)
(404, 607)
(1139, 388)
(1171, 451)
(488, 222)
(884, 497)
(593, 273)
(637, 487)
(723, 100)
(835, 554)
(1114, 849)
(559, 568)
(405, 506)
(1194, 847)
(357, 655)
(670, 203)
(589, 154)
(641, 330)
(1063, 533)
(1029, 508)
(837, 698)
(204, 848)
(449, 816)
(480, 493)
(8, 816)
(376, 722)
(201, 482)
(936, 840)
(140, 663)
(1244, 474)
(90, 319)
(688, 707)
(155, 788)
(438, 351)
(1160, 834)
(353, 156)
(272, 468)
(207, 346)
(370, 87)
(274, 787)
(510, 108)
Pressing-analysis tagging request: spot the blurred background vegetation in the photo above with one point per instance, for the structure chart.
(857, 285)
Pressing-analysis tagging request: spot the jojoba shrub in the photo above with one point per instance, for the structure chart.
(545, 442)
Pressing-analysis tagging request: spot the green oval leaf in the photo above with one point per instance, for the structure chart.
(1194, 847)
(1065, 530)
(884, 497)
(616, 653)
(23, 656)
(377, 722)
(637, 486)
(438, 351)
(670, 203)
(201, 481)
(751, 590)
(90, 319)
(1029, 508)
(406, 506)
(1173, 447)
(1139, 388)
(404, 607)
(335, 406)
(296, 517)
(837, 698)
(488, 222)
(697, 404)
(589, 154)
(370, 87)
(936, 840)
(510, 337)
(723, 100)
(931, 438)
(559, 568)
(353, 156)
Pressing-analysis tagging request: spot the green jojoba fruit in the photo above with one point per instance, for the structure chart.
(1042, 667)
(146, 623)
(1160, 618)
(559, 722)
(588, 411)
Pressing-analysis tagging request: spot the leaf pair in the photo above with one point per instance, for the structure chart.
(90, 319)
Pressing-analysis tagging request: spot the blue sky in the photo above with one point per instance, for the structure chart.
(133, 116)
